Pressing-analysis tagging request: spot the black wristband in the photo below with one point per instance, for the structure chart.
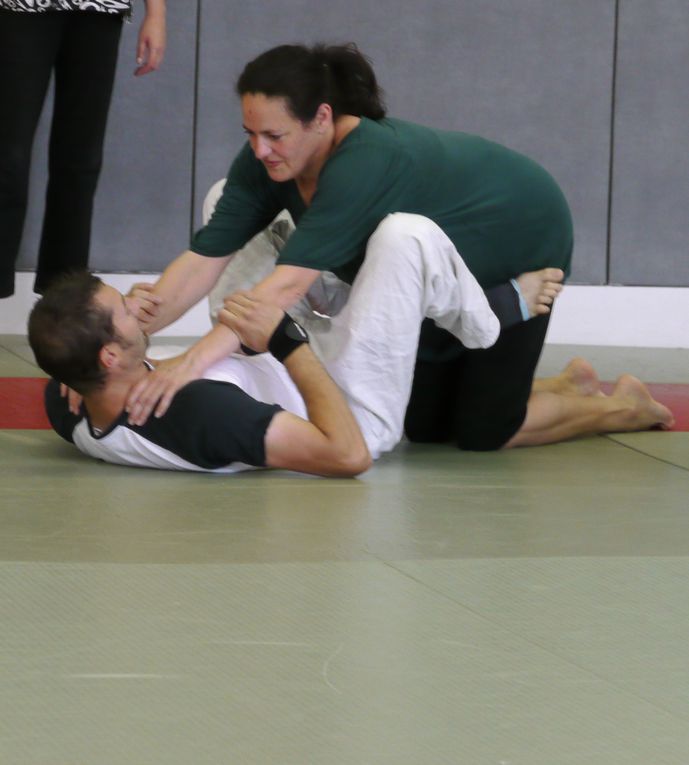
(287, 337)
(248, 351)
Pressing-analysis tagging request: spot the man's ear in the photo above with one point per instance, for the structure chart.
(109, 355)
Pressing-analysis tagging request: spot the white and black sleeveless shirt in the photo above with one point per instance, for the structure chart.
(122, 7)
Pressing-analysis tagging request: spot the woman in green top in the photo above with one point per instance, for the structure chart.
(320, 145)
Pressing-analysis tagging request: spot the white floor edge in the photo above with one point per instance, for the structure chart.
(644, 317)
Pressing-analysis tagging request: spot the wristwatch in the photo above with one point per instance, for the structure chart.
(287, 337)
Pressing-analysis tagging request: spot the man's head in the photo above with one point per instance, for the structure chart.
(81, 330)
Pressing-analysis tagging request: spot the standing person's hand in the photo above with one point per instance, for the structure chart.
(150, 47)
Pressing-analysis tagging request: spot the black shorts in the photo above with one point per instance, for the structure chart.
(474, 398)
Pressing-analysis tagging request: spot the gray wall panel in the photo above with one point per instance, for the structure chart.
(535, 75)
(650, 200)
(142, 208)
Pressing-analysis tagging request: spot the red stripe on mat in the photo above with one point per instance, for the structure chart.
(21, 402)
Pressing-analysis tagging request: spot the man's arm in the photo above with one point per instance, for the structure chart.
(183, 283)
(330, 442)
(155, 392)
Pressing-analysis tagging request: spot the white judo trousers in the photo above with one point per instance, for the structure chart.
(411, 271)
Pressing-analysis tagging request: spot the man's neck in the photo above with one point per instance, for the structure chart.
(104, 406)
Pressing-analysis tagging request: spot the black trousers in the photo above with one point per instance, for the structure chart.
(80, 47)
(474, 398)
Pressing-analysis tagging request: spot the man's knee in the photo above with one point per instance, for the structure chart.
(403, 242)
(398, 229)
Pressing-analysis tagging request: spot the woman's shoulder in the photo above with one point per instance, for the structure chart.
(381, 129)
(384, 137)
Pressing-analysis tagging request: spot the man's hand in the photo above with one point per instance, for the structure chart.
(144, 304)
(74, 399)
(157, 389)
(252, 319)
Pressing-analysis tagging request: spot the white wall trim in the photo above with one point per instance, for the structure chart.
(645, 317)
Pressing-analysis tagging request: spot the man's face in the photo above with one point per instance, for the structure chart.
(130, 335)
(286, 146)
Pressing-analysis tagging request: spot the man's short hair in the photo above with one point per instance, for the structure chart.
(68, 328)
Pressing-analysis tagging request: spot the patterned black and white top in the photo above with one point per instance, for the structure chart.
(123, 7)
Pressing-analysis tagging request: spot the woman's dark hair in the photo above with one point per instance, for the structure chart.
(68, 328)
(338, 75)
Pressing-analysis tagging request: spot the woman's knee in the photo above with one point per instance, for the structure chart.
(482, 435)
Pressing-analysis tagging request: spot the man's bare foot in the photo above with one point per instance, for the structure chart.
(540, 288)
(646, 412)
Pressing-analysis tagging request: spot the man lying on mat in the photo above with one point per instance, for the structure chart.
(326, 409)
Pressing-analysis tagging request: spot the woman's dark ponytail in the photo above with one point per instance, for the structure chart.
(339, 75)
(355, 88)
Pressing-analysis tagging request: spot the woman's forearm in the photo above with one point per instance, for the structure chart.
(155, 8)
(184, 282)
(286, 285)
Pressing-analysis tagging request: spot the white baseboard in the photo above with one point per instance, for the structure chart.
(642, 317)
(645, 317)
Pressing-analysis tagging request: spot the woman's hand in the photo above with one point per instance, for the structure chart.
(156, 390)
(144, 304)
(251, 318)
(150, 47)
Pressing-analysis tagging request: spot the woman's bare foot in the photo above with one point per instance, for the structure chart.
(540, 288)
(645, 412)
(578, 378)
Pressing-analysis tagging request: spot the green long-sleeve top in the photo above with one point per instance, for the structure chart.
(504, 213)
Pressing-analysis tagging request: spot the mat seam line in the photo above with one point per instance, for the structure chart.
(611, 437)
(532, 642)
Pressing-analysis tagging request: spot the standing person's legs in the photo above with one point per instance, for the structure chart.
(28, 46)
(411, 270)
(84, 77)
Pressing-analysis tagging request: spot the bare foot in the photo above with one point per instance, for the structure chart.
(646, 411)
(540, 288)
(580, 378)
